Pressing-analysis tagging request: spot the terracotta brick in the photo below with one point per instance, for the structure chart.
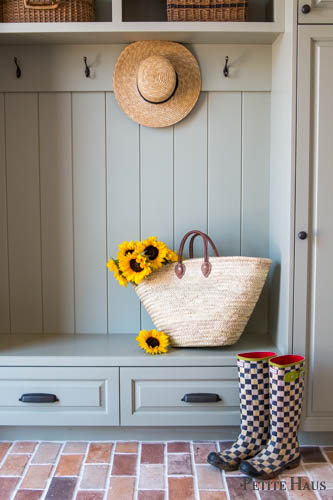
(90, 495)
(61, 488)
(225, 445)
(69, 465)
(312, 454)
(209, 477)
(124, 465)
(76, 447)
(121, 488)
(321, 472)
(127, 447)
(36, 477)
(273, 495)
(99, 453)
(181, 488)
(28, 494)
(326, 495)
(94, 477)
(152, 477)
(179, 447)
(202, 450)
(239, 489)
(268, 485)
(4, 447)
(213, 495)
(7, 486)
(14, 465)
(152, 453)
(298, 471)
(179, 464)
(24, 447)
(46, 453)
(151, 495)
(300, 488)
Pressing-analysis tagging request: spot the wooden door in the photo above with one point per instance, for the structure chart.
(313, 333)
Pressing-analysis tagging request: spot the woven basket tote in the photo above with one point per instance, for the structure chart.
(204, 302)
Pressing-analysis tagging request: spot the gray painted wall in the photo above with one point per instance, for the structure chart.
(78, 177)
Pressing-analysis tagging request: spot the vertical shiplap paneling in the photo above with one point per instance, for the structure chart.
(55, 134)
(156, 190)
(123, 188)
(88, 116)
(224, 170)
(190, 183)
(23, 191)
(4, 276)
(255, 189)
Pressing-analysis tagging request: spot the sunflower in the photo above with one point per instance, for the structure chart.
(153, 342)
(113, 266)
(155, 251)
(135, 267)
(171, 256)
(129, 247)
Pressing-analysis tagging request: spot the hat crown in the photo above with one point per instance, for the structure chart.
(156, 79)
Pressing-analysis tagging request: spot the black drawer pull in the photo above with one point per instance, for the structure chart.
(36, 397)
(201, 397)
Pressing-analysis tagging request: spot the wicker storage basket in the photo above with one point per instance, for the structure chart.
(207, 10)
(204, 303)
(48, 11)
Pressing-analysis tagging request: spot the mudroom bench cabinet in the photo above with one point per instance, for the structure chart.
(106, 380)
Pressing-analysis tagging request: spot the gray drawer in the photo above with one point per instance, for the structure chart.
(153, 396)
(86, 396)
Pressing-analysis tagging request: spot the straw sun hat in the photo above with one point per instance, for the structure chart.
(156, 83)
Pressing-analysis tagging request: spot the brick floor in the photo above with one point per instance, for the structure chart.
(132, 470)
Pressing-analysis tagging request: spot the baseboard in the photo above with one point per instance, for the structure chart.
(142, 434)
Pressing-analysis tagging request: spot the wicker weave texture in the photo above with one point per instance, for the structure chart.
(199, 311)
(207, 10)
(15, 11)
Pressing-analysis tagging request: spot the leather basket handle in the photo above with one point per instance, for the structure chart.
(206, 265)
(41, 4)
(211, 244)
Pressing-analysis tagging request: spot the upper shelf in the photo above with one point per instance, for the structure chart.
(122, 28)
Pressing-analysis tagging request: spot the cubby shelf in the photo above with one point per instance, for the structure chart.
(101, 33)
(120, 31)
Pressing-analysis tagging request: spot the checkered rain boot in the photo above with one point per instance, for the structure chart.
(286, 393)
(253, 378)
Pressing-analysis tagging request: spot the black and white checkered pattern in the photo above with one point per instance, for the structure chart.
(254, 406)
(285, 412)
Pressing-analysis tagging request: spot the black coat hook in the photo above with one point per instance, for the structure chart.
(87, 69)
(226, 67)
(18, 69)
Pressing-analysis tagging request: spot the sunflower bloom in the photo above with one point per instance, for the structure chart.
(129, 247)
(113, 267)
(155, 251)
(171, 256)
(153, 342)
(135, 267)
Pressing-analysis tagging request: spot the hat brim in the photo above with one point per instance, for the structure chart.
(160, 114)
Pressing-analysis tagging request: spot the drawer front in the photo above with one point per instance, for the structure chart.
(84, 396)
(153, 396)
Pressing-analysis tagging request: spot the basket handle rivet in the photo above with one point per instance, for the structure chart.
(87, 69)
(18, 69)
(226, 67)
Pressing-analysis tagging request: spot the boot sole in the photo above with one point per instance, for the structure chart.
(221, 466)
(290, 465)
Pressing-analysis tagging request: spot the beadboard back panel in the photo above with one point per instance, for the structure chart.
(77, 177)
